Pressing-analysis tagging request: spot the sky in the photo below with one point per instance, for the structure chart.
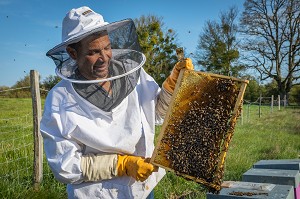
(29, 28)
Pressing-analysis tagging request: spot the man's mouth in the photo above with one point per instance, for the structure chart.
(100, 63)
(99, 68)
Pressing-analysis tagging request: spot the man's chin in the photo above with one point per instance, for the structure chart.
(100, 75)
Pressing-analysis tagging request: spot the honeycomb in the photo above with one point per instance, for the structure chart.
(198, 127)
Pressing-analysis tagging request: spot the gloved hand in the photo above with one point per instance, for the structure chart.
(138, 168)
(169, 83)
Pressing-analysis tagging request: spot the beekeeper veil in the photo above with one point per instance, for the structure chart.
(82, 22)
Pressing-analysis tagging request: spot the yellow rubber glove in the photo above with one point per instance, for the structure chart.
(169, 83)
(138, 168)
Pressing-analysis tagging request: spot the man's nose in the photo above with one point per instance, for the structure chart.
(103, 55)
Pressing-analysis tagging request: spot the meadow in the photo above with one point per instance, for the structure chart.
(274, 135)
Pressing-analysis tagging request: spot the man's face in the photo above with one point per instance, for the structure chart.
(93, 56)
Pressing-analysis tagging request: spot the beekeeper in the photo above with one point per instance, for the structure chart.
(98, 121)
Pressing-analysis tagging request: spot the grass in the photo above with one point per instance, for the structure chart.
(272, 136)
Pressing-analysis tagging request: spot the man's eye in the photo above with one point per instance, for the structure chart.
(107, 48)
(92, 52)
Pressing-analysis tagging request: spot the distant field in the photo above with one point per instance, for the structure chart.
(272, 136)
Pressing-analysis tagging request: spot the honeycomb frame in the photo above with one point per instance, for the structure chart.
(193, 92)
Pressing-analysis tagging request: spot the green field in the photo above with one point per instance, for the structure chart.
(274, 135)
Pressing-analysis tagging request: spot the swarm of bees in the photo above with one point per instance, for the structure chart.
(198, 127)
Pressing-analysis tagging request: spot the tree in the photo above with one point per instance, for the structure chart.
(217, 49)
(3, 92)
(158, 46)
(272, 40)
(295, 95)
(2, 88)
(253, 89)
(22, 88)
(271, 89)
(49, 82)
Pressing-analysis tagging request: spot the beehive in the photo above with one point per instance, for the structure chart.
(198, 126)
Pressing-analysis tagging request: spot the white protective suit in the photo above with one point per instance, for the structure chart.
(72, 127)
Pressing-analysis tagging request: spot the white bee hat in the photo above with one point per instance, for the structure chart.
(82, 22)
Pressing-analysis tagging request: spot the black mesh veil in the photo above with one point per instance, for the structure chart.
(126, 53)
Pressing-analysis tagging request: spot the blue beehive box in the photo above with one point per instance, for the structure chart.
(288, 164)
(285, 164)
(279, 191)
(274, 176)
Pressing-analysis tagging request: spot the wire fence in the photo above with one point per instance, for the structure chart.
(16, 148)
(261, 105)
(17, 145)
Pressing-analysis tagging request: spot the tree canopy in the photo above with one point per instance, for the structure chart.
(272, 41)
(158, 45)
(217, 50)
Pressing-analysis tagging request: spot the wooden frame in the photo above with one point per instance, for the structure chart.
(188, 82)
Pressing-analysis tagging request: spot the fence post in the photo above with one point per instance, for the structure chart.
(38, 141)
(259, 108)
(272, 103)
(248, 112)
(279, 102)
(284, 101)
